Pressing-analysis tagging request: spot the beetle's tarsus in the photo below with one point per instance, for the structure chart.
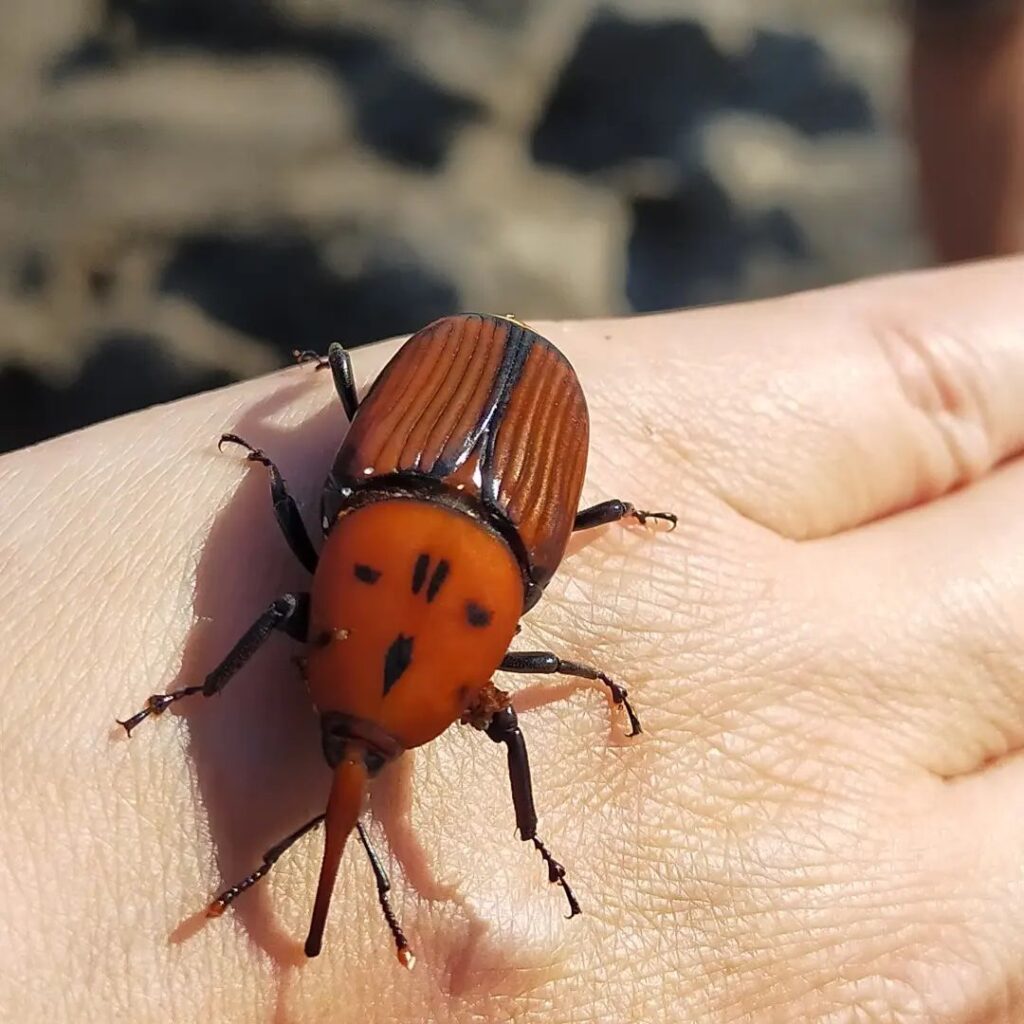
(620, 698)
(556, 876)
(156, 705)
(216, 907)
(308, 355)
(642, 515)
(130, 723)
(255, 454)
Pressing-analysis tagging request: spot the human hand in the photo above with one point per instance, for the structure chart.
(819, 822)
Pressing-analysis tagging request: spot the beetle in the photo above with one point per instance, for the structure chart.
(444, 516)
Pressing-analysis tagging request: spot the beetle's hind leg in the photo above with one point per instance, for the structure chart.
(614, 510)
(546, 663)
(405, 955)
(286, 511)
(340, 363)
(270, 858)
(503, 727)
(289, 613)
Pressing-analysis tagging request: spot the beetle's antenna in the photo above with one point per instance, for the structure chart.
(343, 808)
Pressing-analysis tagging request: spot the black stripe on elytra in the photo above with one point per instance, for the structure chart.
(397, 660)
(365, 573)
(440, 575)
(517, 351)
(477, 615)
(510, 369)
(419, 572)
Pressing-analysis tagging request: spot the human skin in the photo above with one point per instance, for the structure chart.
(820, 822)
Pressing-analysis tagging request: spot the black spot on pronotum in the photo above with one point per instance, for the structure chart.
(440, 575)
(477, 615)
(366, 574)
(397, 660)
(419, 573)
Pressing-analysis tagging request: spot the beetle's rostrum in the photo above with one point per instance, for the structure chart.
(445, 514)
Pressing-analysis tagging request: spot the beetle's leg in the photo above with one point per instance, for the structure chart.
(270, 858)
(405, 954)
(286, 512)
(546, 663)
(614, 510)
(289, 613)
(340, 363)
(228, 896)
(504, 728)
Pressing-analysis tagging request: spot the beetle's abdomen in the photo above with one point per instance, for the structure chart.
(491, 409)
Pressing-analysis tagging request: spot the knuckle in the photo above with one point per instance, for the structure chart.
(945, 383)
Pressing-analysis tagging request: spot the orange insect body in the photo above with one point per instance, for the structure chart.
(413, 607)
(447, 467)
(445, 514)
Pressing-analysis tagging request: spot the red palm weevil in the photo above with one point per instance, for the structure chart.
(447, 511)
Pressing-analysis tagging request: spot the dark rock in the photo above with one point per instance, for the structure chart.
(277, 287)
(790, 77)
(123, 372)
(400, 112)
(632, 89)
(691, 247)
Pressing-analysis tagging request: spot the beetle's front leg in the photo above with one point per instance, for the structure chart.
(340, 363)
(289, 613)
(546, 663)
(503, 727)
(286, 511)
(614, 510)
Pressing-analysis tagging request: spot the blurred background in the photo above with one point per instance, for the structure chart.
(189, 189)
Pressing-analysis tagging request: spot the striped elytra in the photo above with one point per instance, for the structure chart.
(492, 412)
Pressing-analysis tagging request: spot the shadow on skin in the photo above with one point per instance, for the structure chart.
(255, 747)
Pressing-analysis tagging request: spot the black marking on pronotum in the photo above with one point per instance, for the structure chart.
(440, 575)
(419, 573)
(366, 573)
(397, 660)
(477, 615)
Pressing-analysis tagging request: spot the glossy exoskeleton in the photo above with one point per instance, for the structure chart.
(445, 514)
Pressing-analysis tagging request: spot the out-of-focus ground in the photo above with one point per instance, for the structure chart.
(189, 189)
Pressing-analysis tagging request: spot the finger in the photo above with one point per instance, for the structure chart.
(932, 607)
(815, 413)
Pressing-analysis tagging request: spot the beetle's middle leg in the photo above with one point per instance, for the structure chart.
(286, 511)
(612, 511)
(503, 727)
(546, 663)
(289, 613)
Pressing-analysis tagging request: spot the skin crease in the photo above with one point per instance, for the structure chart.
(820, 823)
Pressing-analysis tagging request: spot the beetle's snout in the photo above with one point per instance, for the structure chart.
(397, 660)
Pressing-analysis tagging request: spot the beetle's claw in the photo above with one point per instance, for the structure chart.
(130, 723)
(641, 516)
(406, 957)
(232, 439)
(255, 454)
(307, 355)
(620, 698)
